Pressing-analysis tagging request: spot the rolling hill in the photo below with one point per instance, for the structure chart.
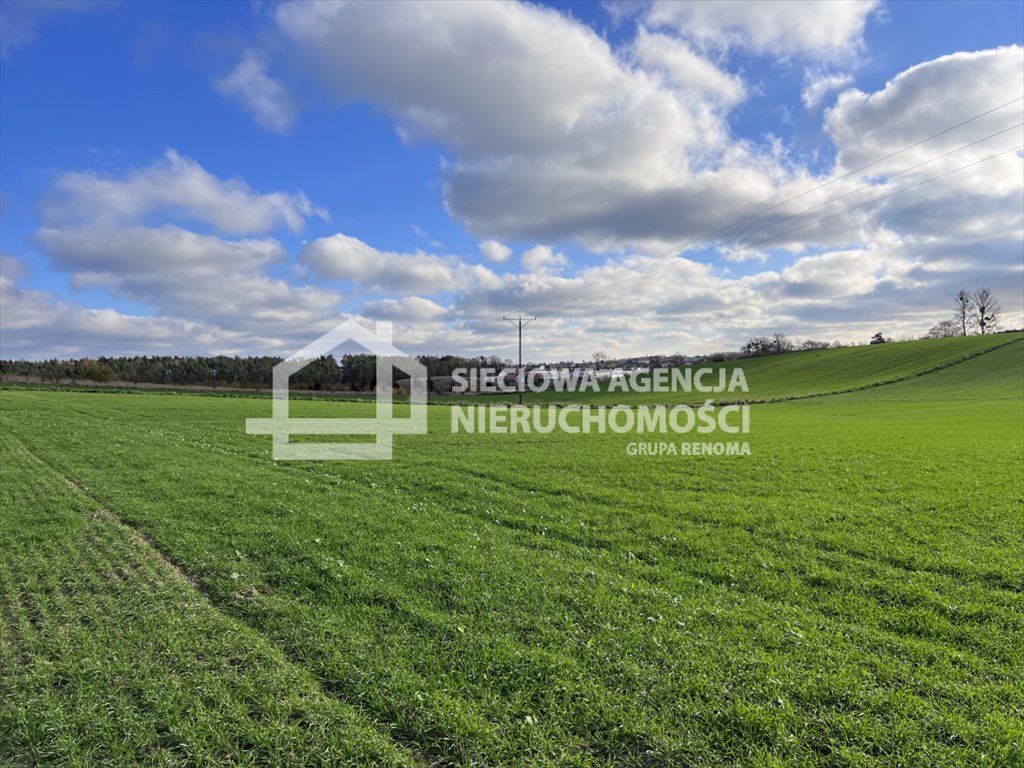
(813, 372)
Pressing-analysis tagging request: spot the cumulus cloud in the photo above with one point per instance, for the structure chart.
(927, 98)
(141, 250)
(342, 257)
(12, 267)
(541, 258)
(409, 309)
(556, 135)
(983, 200)
(639, 303)
(39, 325)
(175, 185)
(684, 69)
(263, 97)
(184, 274)
(487, 78)
(494, 251)
(829, 29)
(98, 229)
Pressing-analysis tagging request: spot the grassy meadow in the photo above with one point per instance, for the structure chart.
(850, 594)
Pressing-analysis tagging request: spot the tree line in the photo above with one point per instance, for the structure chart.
(353, 372)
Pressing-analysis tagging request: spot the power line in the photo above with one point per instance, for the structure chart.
(655, 275)
(586, 290)
(683, 246)
(630, 282)
(886, 196)
(886, 180)
(521, 322)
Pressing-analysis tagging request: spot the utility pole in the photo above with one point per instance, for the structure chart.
(520, 322)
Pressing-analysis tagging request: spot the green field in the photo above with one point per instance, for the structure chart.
(804, 374)
(850, 594)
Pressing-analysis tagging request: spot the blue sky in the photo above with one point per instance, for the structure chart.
(237, 177)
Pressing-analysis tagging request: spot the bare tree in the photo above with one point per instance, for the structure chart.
(963, 314)
(813, 344)
(944, 329)
(986, 310)
(759, 346)
(599, 358)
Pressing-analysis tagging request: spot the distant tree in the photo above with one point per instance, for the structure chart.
(812, 344)
(878, 338)
(599, 358)
(759, 346)
(944, 329)
(359, 372)
(95, 371)
(986, 310)
(963, 314)
(781, 344)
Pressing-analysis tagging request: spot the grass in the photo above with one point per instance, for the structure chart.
(851, 594)
(110, 655)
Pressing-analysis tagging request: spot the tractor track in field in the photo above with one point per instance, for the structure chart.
(176, 570)
(899, 379)
(103, 512)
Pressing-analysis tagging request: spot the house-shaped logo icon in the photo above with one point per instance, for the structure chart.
(382, 427)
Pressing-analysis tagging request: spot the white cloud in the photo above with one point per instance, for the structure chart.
(409, 309)
(38, 325)
(145, 251)
(263, 97)
(341, 257)
(556, 134)
(614, 149)
(482, 77)
(977, 203)
(98, 230)
(685, 69)
(819, 84)
(184, 274)
(836, 274)
(175, 185)
(542, 259)
(824, 29)
(624, 305)
(11, 267)
(634, 304)
(927, 98)
(494, 251)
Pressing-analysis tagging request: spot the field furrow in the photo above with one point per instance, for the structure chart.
(110, 656)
